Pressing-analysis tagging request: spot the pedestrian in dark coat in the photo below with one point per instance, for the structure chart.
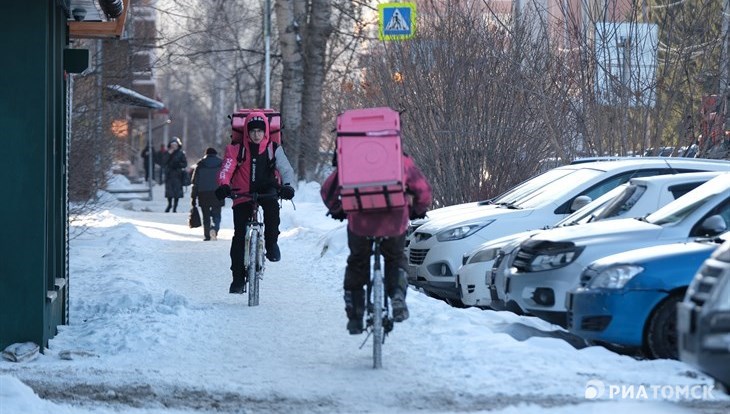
(204, 185)
(174, 170)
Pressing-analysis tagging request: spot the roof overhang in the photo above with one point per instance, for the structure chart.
(99, 29)
(120, 94)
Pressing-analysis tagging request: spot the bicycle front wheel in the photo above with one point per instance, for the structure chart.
(253, 280)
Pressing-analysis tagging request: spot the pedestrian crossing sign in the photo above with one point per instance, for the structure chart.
(397, 21)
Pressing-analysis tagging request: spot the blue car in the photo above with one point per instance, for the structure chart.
(629, 300)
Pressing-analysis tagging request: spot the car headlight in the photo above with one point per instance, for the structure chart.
(462, 231)
(555, 259)
(484, 255)
(615, 277)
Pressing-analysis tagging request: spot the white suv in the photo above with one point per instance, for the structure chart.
(637, 198)
(549, 264)
(436, 248)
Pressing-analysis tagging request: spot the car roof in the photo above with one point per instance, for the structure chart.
(677, 178)
(627, 162)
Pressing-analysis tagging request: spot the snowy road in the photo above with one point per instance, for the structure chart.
(153, 330)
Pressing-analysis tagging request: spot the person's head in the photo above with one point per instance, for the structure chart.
(211, 151)
(175, 143)
(256, 129)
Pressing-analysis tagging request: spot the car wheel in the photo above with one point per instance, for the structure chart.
(660, 338)
(456, 303)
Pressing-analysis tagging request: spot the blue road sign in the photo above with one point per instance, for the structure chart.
(397, 21)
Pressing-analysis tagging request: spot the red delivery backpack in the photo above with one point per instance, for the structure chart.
(369, 160)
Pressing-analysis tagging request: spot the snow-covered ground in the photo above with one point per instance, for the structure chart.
(154, 330)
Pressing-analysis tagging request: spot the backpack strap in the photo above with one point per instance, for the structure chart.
(271, 148)
(241, 153)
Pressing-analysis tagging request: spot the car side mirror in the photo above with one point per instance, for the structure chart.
(579, 202)
(713, 225)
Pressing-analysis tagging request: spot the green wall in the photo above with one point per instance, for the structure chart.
(33, 210)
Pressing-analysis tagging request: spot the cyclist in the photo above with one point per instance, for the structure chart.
(251, 164)
(391, 224)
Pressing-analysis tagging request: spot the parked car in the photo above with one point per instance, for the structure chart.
(703, 318)
(630, 299)
(436, 248)
(639, 201)
(637, 198)
(549, 264)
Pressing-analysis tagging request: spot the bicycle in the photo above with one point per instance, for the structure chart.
(378, 321)
(253, 252)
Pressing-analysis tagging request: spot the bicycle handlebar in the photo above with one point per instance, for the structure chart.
(254, 196)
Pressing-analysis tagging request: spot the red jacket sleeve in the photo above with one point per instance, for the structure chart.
(330, 194)
(228, 167)
(418, 187)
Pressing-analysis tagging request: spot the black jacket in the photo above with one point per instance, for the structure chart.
(204, 180)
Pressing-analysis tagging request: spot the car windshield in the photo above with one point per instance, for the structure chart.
(625, 202)
(682, 207)
(548, 192)
(532, 185)
(591, 211)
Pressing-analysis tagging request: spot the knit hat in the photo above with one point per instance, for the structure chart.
(175, 140)
(211, 151)
(256, 122)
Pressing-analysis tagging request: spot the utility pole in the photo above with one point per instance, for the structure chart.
(267, 42)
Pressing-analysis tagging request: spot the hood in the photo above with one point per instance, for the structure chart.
(264, 142)
(602, 232)
(482, 213)
(447, 211)
(500, 242)
(695, 252)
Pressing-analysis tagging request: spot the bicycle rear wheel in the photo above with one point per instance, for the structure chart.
(378, 302)
(253, 280)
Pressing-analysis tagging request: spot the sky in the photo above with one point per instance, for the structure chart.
(153, 330)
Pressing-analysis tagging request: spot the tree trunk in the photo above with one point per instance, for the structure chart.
(315, 46)
(289, 17)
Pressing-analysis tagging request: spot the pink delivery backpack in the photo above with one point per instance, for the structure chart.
(369, 160)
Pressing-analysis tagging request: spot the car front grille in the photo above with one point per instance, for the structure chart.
(417, 256)
(709, 275)
(595, 323)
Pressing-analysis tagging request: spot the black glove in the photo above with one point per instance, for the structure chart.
(193, 202)
(223, 191)
(286, 192)
(414, 215)
(337, 215)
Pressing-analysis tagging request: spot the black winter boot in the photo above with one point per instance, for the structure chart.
(238, 285)
(355, 309)
(397, 294)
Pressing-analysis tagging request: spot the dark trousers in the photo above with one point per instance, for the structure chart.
(357, 272)
(210, 212)
(241, 214)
